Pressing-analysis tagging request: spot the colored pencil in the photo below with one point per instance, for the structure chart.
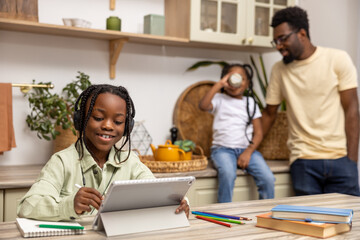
(206, 215)
(224, 219)
(222, 215)
(214, 221)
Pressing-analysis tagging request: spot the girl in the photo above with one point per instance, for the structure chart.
(237, 132)
(104, 114)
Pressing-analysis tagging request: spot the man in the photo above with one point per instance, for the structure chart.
(319, 86)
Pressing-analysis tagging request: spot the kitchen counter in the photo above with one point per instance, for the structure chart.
(24, 176)
(15, 181)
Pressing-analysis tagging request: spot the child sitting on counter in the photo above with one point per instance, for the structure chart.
(237, 132)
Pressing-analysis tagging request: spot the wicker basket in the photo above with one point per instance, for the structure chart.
(198, 162)
(274, 145)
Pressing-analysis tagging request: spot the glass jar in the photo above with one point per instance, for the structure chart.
(113, 23)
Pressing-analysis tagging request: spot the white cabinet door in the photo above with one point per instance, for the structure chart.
(218, 21)
(259, 15)
(235, 22)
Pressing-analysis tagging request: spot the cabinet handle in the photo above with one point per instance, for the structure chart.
(250, 40)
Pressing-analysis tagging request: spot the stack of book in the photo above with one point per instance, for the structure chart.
(311, 221)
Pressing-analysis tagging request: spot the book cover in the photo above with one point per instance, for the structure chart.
(30, 228)
(312, 214)
(320, 230)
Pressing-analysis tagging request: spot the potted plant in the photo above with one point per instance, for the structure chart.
(273, 145)
(52, 113)
(188, 146)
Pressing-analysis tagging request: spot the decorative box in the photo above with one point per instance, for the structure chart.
(154, 24)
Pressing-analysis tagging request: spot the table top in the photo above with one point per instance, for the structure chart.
(24, 176)
(200, 229)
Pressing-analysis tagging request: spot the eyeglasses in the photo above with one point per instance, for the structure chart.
(282, 39)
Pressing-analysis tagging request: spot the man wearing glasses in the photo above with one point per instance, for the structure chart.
(319, 86)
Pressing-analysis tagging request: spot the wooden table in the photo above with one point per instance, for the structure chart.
(200, 229)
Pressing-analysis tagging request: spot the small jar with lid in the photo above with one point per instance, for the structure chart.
(113, 23)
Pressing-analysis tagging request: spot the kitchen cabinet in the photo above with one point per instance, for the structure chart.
(204, 190)
(1, 205)
(12, 199)
(234, 22)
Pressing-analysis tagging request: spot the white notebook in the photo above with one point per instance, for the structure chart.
(30, 228)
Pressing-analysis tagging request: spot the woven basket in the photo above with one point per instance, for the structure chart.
(274, 145)
(194, 124)
(198, 162)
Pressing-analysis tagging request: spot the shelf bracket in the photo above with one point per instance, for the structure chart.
(112, 4)
(115, 49)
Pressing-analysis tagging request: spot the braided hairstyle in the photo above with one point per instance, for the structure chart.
(296, 18)
(91, 94)
(248, 93)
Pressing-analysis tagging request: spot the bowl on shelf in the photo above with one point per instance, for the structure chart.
(76, 22)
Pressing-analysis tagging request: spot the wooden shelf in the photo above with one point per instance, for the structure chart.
(116, 39)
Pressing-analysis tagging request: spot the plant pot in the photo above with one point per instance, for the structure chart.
(274, 145)
(64, 140)
(188, 155)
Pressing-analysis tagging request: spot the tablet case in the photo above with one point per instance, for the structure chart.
(134, 206)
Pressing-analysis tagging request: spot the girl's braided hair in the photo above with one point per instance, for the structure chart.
(91, 93)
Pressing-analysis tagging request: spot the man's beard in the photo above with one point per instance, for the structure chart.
(288, 59)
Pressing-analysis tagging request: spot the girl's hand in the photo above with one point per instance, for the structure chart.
(244, 159)
(224, 81)
(85, 198)
(183, 207)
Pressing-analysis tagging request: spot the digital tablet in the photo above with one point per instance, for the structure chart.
(144, 193)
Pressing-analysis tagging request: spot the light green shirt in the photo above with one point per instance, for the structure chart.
(51, 197)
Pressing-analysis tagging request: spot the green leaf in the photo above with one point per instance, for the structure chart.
(186, 145)
(263, 70)
(205, 64)
(262, 87)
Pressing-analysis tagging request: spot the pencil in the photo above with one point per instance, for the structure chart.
(223, 219)
(214, 221)
(207, 215)
(222, 215)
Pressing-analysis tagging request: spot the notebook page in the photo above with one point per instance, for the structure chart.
(30, 228)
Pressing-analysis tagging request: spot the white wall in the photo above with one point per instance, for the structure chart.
(154, 75)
